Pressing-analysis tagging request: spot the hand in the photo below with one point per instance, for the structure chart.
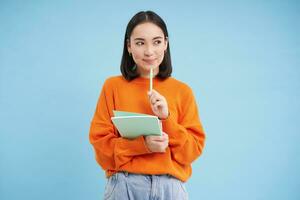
(158, 104)
(157, 143)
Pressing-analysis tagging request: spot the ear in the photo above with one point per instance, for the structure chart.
(128, 46)
(166, 43)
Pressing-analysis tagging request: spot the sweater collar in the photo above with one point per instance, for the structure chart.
(145, 80)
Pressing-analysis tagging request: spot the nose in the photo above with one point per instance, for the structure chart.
(148, 51)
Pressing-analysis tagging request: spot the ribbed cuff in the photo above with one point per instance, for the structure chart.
(136, 146)
(173, 129)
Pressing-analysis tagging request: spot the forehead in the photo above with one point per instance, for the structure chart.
(147, 30)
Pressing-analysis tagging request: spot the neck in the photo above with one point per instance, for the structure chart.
(146, 74)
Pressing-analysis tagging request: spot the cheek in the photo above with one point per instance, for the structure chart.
(161, 52)
(137, 55)
(161, 56)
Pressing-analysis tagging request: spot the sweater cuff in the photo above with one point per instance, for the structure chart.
(175, 130)
(136, 146)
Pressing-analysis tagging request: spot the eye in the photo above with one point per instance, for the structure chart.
(139, 43)
(157, 42)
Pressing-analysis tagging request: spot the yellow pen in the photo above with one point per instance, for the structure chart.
(151, 76)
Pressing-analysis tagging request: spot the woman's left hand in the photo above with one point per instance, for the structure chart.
(158, 104)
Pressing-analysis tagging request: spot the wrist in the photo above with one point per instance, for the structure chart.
(164, 118)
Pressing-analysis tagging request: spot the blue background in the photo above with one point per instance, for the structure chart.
(241, 58)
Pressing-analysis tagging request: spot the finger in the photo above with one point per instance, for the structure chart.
(155, 98)
(159, 139)
(165, 135)
(158, 108)
(150, 96)
(153, 138)
(162, 138)
(149, 93)
(166, 146)
(160, 125)
(166, 139)
(158, 103)
(156, 137)
(154, 93)
(157, 95)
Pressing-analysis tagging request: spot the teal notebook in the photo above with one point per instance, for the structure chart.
(131, 125)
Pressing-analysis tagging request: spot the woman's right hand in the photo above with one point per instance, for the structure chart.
(157, 143)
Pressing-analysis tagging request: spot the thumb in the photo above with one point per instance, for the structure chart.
(160, 125)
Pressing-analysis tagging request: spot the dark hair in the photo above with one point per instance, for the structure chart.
(127, 63)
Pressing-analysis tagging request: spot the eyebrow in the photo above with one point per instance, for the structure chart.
(158, 37)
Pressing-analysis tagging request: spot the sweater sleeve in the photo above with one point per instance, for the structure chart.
(112, 151)
(186, 135)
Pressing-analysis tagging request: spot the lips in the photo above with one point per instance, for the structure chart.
(149, 61)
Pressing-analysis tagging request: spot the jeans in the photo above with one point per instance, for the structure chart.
(128, 186)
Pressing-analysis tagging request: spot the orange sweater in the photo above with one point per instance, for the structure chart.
(186, 135)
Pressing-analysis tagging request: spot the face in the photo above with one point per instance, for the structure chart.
(147, 45)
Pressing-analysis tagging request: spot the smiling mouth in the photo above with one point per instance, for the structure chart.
(149, 61)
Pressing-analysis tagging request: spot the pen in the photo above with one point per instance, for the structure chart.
(151, 77)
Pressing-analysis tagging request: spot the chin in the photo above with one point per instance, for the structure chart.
(147, 68)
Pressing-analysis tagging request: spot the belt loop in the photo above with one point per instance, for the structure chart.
(126, 174)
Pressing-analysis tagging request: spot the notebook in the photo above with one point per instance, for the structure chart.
(131, 125)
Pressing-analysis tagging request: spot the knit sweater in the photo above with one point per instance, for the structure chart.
(186, 135)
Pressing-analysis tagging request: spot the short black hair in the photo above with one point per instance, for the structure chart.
(127, 62)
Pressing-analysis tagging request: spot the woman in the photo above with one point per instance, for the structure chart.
(147, 167)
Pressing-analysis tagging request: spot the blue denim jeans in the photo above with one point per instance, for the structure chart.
(128, 186)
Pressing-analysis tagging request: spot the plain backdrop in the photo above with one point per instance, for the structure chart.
(241, 58)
